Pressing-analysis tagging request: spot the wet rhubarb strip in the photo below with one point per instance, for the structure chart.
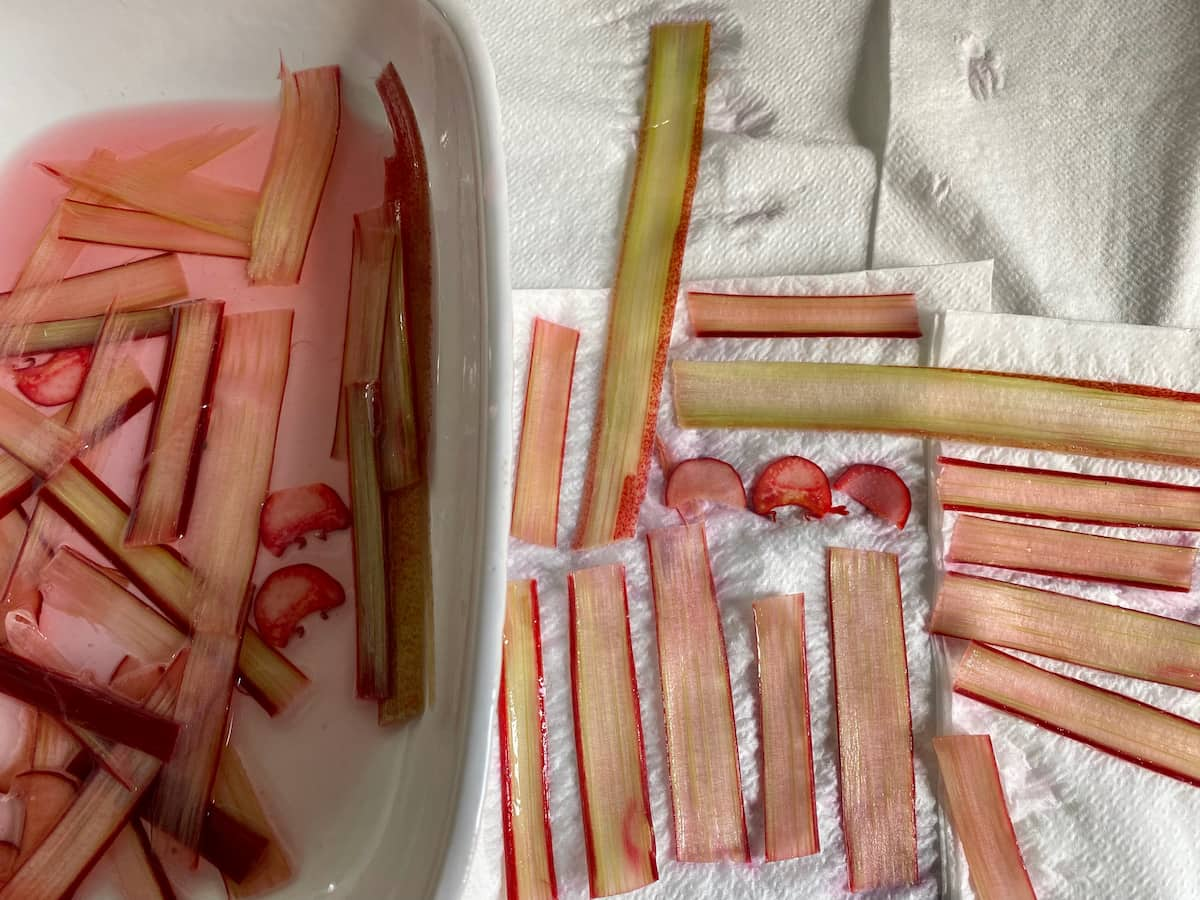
(309, 118)
(410, 591)
(1070, 554)
(1071, 629)
(617, 825)
(164, 496)
(643, 299)
(874, 721)
(528, 851)
(399, 448)
(138, 870)
(38, 442)
(1128, 729)
(543, 433)
(706, 788)
(96, 224)
(789, 799)
(70, 334)
(761, 315)
(1068, 416)
(975, 797)
(970, 486)
(234, 793)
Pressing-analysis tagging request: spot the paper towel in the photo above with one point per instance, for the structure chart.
(1060, 138)
(1090, 826)
(750, 558)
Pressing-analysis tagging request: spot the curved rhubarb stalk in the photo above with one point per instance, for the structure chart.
(292, 513)
(879, 489)
(794, 481)
(73, 334)
(57, 380)
(288, 595)
(705, 480)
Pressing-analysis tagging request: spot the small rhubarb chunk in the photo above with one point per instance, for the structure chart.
(705, 480)
(794, 481)
(292, 513)
(57, 380)
(879, 489)
(289, 595)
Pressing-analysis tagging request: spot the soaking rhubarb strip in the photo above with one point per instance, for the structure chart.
(164, 496)
(138, 870)
(38, 442)
(617, 826)
(789, 799)
(874, 721)
(1126, 728)
(980, 818)
(235, 794)
(758, 315)
(1070, 554)
(399, 448)
(1072, 629)
(643, 300)
(68, 334)
(155, 281)
(971, 486)
(528, 851)
(96, 224)
(1087, 417)
(702, 754)
(543, 433)
(410, 592)
(309, 117)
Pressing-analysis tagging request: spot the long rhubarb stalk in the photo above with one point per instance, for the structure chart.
(874, 721)
(643, 300)
(311, 110)
(1072, 629)
(160, 511)
(399, 448)
(235, 794)
(410, 592)
(617, 826)
(979, 815)
(69, 334)
(1070, 554)
(138, 870)
(789, 799)
(98, 224)
(1091, 418)
(543, 433)
(528, 851)
(706, 787)
(1111, 722)
(755, 315)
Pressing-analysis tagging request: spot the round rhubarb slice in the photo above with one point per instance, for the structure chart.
(794, 481)
(705, 479)
(879, 489)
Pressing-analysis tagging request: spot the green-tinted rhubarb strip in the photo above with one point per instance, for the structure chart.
(69, 334)
(399, 448)
(643, 299)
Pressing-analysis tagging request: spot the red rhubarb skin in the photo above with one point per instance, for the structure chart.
(793, 481)
(304, 589)
(879, 489)
(707, 479)
(292, 513)
(57, 380)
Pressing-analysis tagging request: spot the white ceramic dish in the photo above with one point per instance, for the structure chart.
(405, 804)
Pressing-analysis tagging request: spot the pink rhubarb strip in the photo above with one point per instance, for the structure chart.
(758, 315)
(97, 224)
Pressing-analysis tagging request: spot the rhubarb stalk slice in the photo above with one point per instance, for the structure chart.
(410, 589)
(1070, 554)
(543, 433)
(979, 815)
(399, 447)
(704, 480)
(756, 315)
(706, 787)
(291, 514)
(1072, 629)
(40, 443)
(70, 334)
(643, 300)
(309, 117)
(789, 801)
(879, 489)
(98, 224)
(164, 497)
(874, 721)
(138, 870)
(528, 852)
(290, 594)
(1086, 417)
(1111, 722)
(617, 825)
(235, 794)
(971, 486)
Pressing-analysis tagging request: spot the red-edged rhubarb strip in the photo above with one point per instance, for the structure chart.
(874, 721)
(1072, 629)
(979, 815)
(399, 448)
(98, 224)
(757, 315)
(138, 870)
(706, 786)
(704, 480)
(289, 595)
(163, 503)
(309, 117)
(643, 299)
(528, 851)
(151, 282)
(1087, 417)
(971, 486)
(42, 444)
(1126, 728)
(794, 481)
(290, 514)
(235, 794)
(879, 489)
(55, 381)
(543, 433)
(617, 825)
(72, 334)
(1070, 554)
(789, 800)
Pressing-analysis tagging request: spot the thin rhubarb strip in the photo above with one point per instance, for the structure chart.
(1086, 417)
(1072, 629)
(1128, 729)
(1070, 554)
(874, 721)
(69, 334)
(543, 433)
(97, 224)
(528, 851)
(702, 754)
(310, 114)
(758, 315)
(975, 798)
(617, 825)
(155, 281)
(164, 497)
(138, 870)
(643, 300)
(38, 442)
(789, 799)
(410, 590)
(399, 448)
(235, 794)
(971, 486)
